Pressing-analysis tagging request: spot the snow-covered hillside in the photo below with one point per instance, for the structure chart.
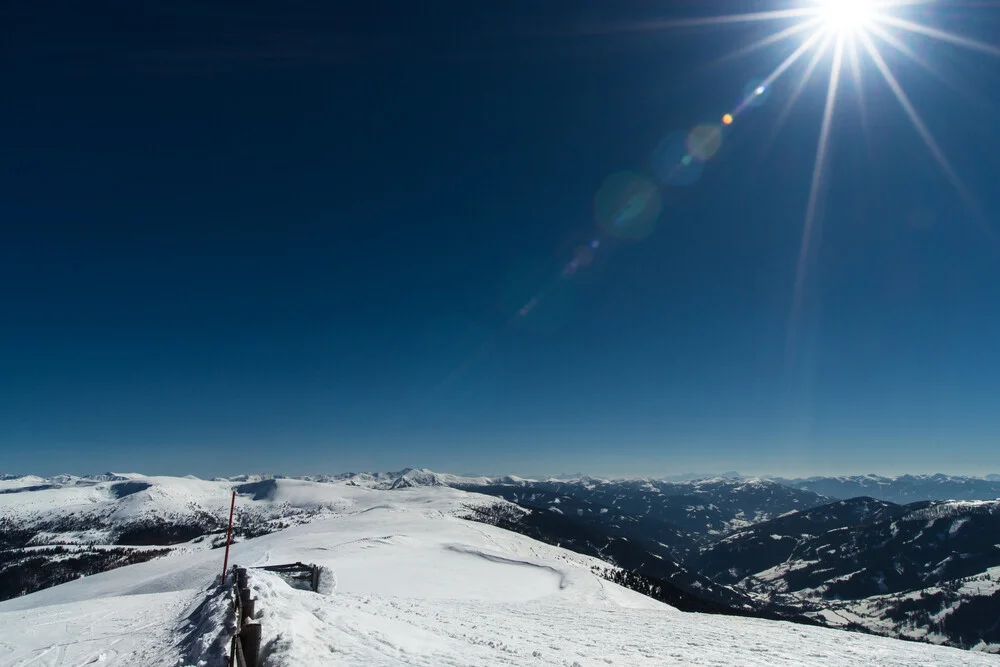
(56, 531)
(109, 510)
(414, 584)
(928, 570)
(954, 612)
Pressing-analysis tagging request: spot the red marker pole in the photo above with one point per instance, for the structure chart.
(229, 535)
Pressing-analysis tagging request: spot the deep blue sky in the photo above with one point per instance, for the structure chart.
(265, 236)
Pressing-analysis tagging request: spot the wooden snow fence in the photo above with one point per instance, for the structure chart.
(298, 575)
(244, 649)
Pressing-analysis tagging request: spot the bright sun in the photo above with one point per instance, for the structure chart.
(847, 16)
(850, 30)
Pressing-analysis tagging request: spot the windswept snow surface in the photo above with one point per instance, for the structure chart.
(11, 483)
(409, 582)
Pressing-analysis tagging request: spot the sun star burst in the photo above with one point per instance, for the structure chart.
(848, 34)
(847, 16)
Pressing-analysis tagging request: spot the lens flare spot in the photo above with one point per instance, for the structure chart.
(582, 257)
(756, 93)
(627, 206)
(672, 164)
(704, 142)
(727, 119)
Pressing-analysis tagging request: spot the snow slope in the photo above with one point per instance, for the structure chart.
(412, 584)
(127, 511)
(12, 483)
(152, 497)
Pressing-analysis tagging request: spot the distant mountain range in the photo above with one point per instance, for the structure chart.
(672, 519)
(900, 489)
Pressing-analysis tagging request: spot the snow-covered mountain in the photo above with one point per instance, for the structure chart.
(408, 582)
(901, 549)
(960, 612)
(18, 481)
(50, 533)
(898, 489)
(771, 543)
(902, 489)
(407, 477)
(674, 583)
(726, 544)
(671, 518)
(925, 570)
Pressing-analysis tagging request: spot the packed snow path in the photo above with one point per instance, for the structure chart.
(412, 584)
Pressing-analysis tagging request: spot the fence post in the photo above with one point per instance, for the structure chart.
(245, 597)
(250, 639)
(249, 608)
